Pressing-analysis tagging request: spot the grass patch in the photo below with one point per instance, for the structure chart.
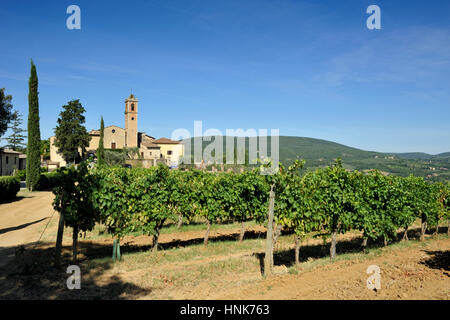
(149, 259)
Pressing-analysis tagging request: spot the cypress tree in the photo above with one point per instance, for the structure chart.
(101, 148)
(34, 134)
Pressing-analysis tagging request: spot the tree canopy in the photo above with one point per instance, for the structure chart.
(5, 111)
(71, 136)
(16, 138)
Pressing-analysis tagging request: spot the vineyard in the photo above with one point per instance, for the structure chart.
(325, 202)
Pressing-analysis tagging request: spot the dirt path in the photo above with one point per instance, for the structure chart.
(23, 221)
(408, 273)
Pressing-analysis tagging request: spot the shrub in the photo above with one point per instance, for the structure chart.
(22, 174)
(115, 158)
(9, 186)
(47, 181)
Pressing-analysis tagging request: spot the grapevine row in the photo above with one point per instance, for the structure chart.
(328, 200)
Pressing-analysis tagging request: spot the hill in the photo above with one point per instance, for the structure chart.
(318, 153)
(414, 155)
(321, 153)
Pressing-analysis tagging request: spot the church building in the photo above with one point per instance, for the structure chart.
(150, 150)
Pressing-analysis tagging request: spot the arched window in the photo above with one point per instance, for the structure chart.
(132, 107)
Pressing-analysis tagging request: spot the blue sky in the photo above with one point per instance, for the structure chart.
(307, 68)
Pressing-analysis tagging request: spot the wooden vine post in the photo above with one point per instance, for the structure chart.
(59, 236)
(423, 227)
(268, 259)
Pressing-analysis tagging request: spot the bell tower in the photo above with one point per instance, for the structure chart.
(131, 112)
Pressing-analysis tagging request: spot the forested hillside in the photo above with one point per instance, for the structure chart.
(320, 153)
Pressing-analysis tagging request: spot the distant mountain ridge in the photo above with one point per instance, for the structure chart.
(421, 155)
(320, 153)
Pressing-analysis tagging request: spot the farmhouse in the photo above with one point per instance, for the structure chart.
(150, 150)
(11, 161)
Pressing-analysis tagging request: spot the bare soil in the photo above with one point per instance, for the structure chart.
(418, 272)
(23, 221)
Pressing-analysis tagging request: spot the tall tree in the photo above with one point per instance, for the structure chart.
(5, 111)
(34, 133)
(16, 139)
(101, 147)
(71, 135)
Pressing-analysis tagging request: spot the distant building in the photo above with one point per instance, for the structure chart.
(150, 150)
(170, 150)
(11, 161)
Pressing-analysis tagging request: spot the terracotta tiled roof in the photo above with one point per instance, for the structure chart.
(165, 141)
(149, 144)
(94, 132)
(10, 151)
(146, 136)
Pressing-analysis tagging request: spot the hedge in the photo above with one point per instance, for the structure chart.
(22, 174)
(9, 186)
(47, 181)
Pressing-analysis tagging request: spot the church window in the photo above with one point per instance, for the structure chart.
(132, 107)
(132, 118)
(113, 130)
